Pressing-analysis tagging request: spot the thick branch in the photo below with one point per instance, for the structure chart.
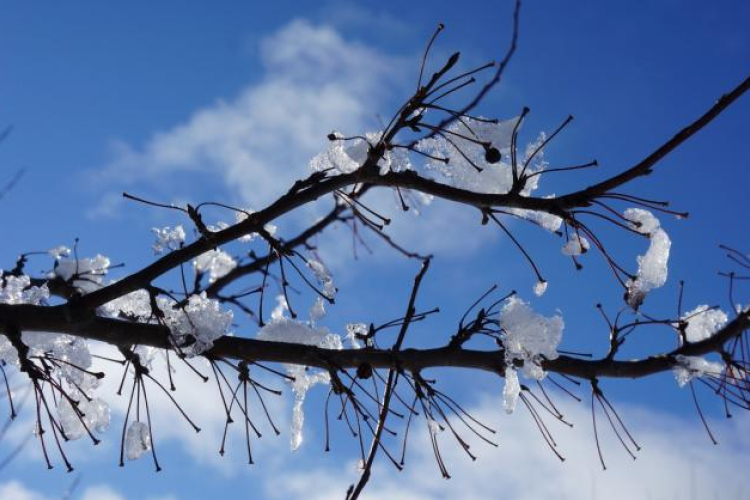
(122, 333)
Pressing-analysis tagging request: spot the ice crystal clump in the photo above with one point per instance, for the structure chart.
(529, 337)
(59, 252)
(495, 177)
(318, 310)
(87, 416)
(18, 290)
(512, 390)
(135, 305)
(195, 327)
(690, 367)
(69, 365)
(282, 329)
(346, 156)
(168, 238)
(355, 332)
(137, 440)
(703, 322)
(243, 215)
(86, 275)
(540, 288)
(652, 266)
(216, 263)
(576, 245)
(323, 276)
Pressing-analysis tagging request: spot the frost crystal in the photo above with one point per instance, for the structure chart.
(540, 288)
(529, 337)
(90, 416)
(168, 238)
(355, 332)
(346, 156)
(18, 290)
(135, 305)
(241, 216)
(195, 327)
(689, 367)
(652, 266)
(323, 276)
(576, 245)
(703, 322)
(57, 252)
(495, 177)
(511, 391)
(216, 262)
(84, 274)
(137, 440)
(295, 332)
(318, 310)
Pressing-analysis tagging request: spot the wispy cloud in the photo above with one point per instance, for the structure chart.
(15, 490)
(677, 461)
(259, 142)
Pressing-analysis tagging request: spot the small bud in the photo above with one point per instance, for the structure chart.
(364, 371)
(332, 137)
(492, 155)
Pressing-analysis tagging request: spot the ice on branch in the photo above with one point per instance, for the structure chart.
(540, 288)
(135, 305)
(216, 263)
(86, 275)
(68, 359)
(703, 322)
(282, 329)
(18, 290)
(318, 310)
(242, 215)
(576, 245)
(347, 155)
(195, 327)
(511, 391)
(137, 440)
(83, 416)
(690, 367)
(323, 276)
(355, 332)
(529, 337)
(652, 266)
(168, 239)
(58, 252)
(464, 155)
(468, 167)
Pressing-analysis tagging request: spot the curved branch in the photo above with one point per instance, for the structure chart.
(121, 333)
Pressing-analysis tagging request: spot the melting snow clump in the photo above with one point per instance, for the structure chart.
(690, 367)
(283, 329)
(652, 266)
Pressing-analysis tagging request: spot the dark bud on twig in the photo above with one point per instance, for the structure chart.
(492, 154)
(332, 136)
(452, 61)
(364, 371)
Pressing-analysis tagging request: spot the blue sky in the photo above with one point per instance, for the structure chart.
(188, 101)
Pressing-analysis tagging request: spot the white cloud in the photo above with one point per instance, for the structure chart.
(259, 142)
(14, 490)
(202, 403)
(105, 492)
(677, 461)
